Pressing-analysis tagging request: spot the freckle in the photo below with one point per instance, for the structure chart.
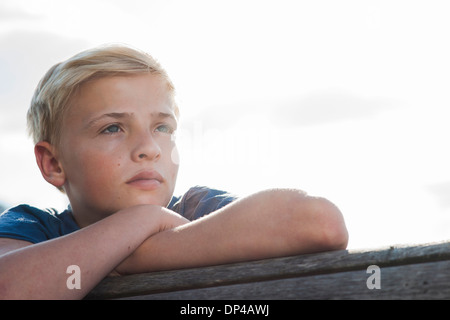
(118, 164)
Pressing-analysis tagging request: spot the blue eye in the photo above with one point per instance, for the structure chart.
(114, 128)
(165, 129)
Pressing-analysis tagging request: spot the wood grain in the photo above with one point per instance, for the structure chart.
(407, 272)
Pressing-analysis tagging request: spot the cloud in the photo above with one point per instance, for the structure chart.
(441, 191)
(24, 58)
(327, 107)
(10, 13)
(309, 110)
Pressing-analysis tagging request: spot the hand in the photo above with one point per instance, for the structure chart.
(167, 220)
(170, 219)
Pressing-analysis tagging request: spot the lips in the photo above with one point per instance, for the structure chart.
(146, 180)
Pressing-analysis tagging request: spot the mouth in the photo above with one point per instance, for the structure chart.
(146, 180)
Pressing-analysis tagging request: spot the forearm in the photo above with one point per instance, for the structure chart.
(268, 224)
(39, 271)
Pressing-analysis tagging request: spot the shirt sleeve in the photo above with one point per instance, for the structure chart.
(31, 224)
(200, 201)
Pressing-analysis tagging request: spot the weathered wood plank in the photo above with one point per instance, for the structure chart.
(264, 270)
(415, 281)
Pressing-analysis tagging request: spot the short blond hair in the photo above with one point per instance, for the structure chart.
(53, 93)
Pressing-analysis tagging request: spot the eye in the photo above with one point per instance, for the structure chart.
(164, 128)
(114, 128)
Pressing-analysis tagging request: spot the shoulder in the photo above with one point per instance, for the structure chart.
(28, 223)
(199, 201)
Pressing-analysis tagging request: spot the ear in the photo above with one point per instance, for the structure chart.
(49, 165)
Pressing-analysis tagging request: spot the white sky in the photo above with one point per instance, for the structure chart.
(344, 99)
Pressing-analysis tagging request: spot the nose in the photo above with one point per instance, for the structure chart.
(145, 148)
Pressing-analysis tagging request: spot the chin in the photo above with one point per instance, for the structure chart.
(161, 201)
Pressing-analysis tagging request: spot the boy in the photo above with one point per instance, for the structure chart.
(103, 125)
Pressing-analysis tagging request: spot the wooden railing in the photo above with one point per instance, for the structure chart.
(397, 272)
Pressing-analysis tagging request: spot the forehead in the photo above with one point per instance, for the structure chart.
(142, 92)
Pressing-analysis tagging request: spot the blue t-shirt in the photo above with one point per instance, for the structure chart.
(35, 225)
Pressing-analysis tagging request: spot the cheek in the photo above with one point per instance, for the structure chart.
(174, 174)
(175, 156)
(106, 167)
(173, 161)
(93, 170)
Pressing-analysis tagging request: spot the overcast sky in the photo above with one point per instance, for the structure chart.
(344, 99)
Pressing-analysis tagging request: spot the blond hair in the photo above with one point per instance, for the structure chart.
(53, 93)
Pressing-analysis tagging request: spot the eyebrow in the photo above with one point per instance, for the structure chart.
(123, 115)
(163, 115)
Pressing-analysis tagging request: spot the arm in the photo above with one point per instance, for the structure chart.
(38, 271)
(267, 224)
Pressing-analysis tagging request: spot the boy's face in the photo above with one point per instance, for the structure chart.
(117, 148)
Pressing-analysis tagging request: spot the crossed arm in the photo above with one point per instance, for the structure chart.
(146, 238)
(265, 225)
